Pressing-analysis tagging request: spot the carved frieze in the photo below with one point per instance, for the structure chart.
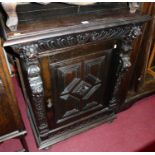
(72, 39)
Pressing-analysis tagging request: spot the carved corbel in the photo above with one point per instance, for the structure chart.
(124, 64)
(30, 57)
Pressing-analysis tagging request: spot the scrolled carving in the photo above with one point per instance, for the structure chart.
(82, 38)
(74, 39)
(97, 35)
(71, 40)
(135, 31)
(61, 42)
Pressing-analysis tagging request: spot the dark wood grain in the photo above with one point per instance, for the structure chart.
(74, 75)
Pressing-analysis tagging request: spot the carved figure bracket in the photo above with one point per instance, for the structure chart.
(124, 63)
(29, 55)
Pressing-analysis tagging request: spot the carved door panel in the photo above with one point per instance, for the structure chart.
(79, 84)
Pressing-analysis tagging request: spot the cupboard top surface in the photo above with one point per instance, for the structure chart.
(73, 22)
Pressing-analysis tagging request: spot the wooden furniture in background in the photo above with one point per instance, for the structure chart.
(11, 124)
(150, 67)
(140, 83)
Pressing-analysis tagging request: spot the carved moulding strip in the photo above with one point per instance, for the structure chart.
(30, 58)
(124, 63)
(76, 39)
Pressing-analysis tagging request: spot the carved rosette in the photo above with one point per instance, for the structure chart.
(123, 63)
(30, 57)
